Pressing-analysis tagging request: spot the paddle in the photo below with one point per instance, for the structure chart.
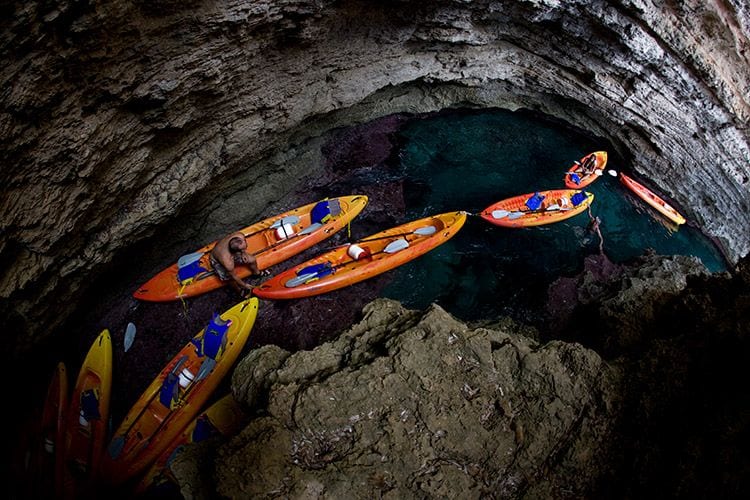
(129, 336)
(517, 214)
(420, 231)
(289, 219)
(613, 173)
(391, 248)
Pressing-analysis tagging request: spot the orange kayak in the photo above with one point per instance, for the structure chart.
(370, 256)
(222, 418)
(87, 419)
(48, 453)
(649, 197)
(536, 209)
(271, 241)
(586, 171)
(177, 394)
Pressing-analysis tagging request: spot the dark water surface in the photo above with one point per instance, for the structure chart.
(469, 160)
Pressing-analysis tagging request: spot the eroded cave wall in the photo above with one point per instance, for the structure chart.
(115, 115)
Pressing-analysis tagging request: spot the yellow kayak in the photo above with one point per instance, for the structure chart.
(178, 393)
(87, 419)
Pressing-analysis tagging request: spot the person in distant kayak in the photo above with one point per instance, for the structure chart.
(589, 164)
(227, 254)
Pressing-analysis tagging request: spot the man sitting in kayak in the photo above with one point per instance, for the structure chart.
(229, 252)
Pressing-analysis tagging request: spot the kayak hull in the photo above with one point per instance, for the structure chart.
(347, 271)
(516, 206)
(48, 459)
(652, 199)
(585, 180)
(151, 425)
(262, 241)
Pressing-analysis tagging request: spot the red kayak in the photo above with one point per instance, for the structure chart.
(649, 197)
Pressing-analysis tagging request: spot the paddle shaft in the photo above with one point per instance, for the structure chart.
(398, 235)
(343, 264)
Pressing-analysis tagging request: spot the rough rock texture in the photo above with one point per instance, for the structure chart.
(621, 300)
(407, 404)
(410, 404)
(116, 117)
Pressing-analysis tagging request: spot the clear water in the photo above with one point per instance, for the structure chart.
(467, 161)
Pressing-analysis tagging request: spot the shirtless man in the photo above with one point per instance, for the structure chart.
(227, 254)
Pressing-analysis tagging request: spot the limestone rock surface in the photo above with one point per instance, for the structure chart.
(118, 117)
(408, 404)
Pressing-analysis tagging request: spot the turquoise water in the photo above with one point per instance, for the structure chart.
(469, 160)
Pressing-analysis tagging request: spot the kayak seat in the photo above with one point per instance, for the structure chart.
(204, 429)
(320, 213)
(578, 198)
(170, 391)
(190, 270)
(213, 341)
(90, 405)
(535, 201)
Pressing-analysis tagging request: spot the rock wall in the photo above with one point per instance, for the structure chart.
(117, 117)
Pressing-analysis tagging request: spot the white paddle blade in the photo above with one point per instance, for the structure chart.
(425, 231)
(312, 227)
(188, 259)
(598, 172)
(289, 219)
(396, 246)
(499, 214)
(129, 336)
(613, 173)
(300, 280)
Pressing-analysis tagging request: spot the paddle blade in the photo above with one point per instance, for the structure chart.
(289, 219)
(205, 370)
(300, 280)
(515, 215)
(598, 172)
(116, 446)
(396, 246)
(613, 173)
(499, 214)
(312, 227)
(188, 259)
(425, 231)
(129, 336)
